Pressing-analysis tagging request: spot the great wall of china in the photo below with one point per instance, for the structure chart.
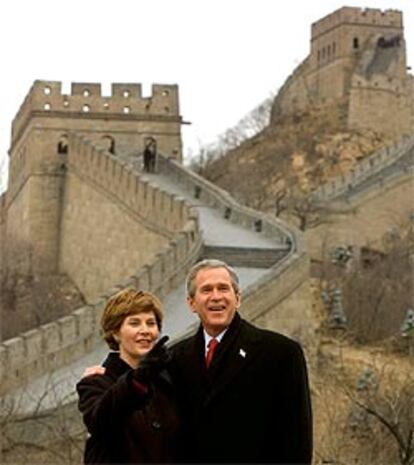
(78, 202)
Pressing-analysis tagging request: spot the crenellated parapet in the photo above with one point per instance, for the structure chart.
(159, 210)
(54, 345)
(357, 16)
(366, 168)
(86, 101)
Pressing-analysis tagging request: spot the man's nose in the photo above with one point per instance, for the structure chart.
(216, 294)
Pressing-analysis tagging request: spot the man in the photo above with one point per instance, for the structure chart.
(252, 403)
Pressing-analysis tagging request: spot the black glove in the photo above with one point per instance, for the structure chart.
(154, 362)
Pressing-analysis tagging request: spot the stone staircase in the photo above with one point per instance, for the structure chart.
(252, 257)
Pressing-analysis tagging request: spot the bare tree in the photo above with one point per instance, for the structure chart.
(250, 125)
(280, 201)
(387, 400)
(48, 432)
(380, 288)
(308, 213)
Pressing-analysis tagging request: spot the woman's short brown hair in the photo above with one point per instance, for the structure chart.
(123, 304)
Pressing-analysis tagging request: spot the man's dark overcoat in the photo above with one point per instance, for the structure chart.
(125, 425)
(251, 406)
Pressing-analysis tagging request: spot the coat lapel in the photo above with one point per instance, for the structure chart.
(195, 363)
(239, 348)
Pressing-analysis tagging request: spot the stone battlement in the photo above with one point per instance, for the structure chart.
(55, 344)
(366, 168)
(158, 210)
(86, 100)
(230, 209)
(357, 16)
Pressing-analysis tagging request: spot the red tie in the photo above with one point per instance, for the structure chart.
(211, 347)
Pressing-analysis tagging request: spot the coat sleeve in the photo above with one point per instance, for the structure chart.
(299, 430)
(104, 403)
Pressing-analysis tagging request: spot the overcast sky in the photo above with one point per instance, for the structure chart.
(226, 55)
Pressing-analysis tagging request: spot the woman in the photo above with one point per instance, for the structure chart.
(129, 410)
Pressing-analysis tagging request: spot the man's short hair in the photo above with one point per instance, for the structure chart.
(206, 264)
(123, 304)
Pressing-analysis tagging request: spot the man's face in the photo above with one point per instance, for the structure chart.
(215, 301)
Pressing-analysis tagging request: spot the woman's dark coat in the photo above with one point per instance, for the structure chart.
(125, 424)
(251, 406)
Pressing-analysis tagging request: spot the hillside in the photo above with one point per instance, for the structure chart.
(293, 156)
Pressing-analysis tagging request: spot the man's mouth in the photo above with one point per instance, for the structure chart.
(216, 308)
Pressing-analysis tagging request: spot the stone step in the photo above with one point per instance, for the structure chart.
(246, 257)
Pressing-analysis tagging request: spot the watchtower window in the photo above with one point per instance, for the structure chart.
(86, 93)
(126, 93)
(85, 108)
(47, 106)
(356, 43)
(165, 93)
(127, 110)
(66, 103)
(106, 106)
(47, 90)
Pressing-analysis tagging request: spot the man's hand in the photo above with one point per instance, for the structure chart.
(94, 370)
(154, 362)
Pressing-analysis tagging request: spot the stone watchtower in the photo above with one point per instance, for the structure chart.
(338, 42)
(120, 123)
(357, 57)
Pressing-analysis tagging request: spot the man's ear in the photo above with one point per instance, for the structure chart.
(190, 303)
(238, 300)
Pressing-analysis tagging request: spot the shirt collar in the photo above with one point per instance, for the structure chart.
(208, 338)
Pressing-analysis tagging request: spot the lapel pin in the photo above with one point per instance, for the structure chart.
(242, 353)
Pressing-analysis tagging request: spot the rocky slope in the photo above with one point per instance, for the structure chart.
(295, 153)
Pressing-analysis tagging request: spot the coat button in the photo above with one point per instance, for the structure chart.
(156, 424)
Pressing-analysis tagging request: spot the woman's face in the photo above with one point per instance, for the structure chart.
(137, 336)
